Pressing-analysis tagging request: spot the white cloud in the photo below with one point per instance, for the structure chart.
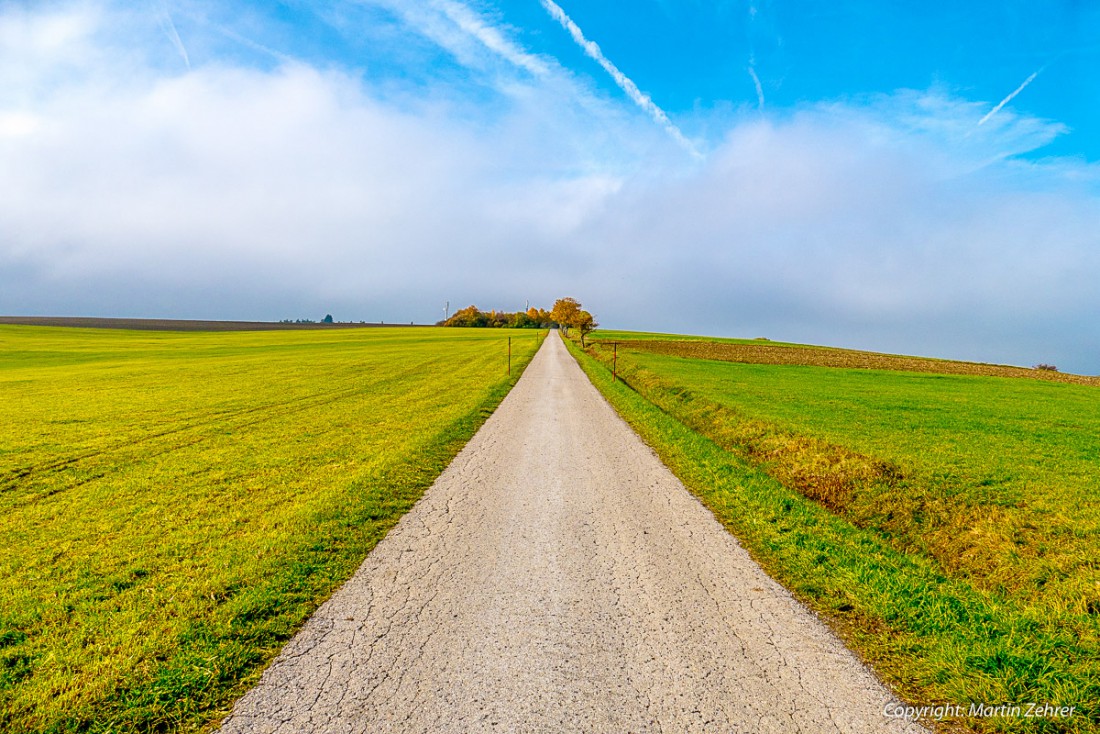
(40, 49)
(17, 124)
(854, 226)
(470, 37)
(492, 38)
(238, 192)
(297, 178)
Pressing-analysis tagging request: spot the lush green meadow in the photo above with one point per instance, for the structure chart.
(947, 524)
(174, 505)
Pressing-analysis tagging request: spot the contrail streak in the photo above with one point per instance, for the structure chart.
(249, 43)
(639, 97)
(752, 58)
(205, 20)
(1010, 97)
(173, 35)
(491, 38)
(756, 81)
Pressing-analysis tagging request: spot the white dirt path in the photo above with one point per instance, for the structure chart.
(558, 578)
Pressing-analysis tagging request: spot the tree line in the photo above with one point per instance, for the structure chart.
(566, 314)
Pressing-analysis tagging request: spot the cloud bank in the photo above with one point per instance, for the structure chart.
(132, 187)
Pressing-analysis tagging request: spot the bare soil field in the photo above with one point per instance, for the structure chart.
(86, 322)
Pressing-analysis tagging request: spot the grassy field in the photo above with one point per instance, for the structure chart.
(947, 522)
(174, 505)
(765, 351)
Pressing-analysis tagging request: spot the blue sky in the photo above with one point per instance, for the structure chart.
(906, 177)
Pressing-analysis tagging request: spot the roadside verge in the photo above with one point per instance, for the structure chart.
(935, 640)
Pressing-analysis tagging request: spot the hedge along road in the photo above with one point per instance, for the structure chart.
(557, 577)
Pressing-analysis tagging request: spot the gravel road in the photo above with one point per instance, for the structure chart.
(557, 578)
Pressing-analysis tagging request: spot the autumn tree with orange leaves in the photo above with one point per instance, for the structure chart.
(564, 312)
(567, 312)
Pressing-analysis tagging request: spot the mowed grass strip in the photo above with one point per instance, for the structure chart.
(947, 525)
(174, 505)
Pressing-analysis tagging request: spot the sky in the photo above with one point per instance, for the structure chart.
(917, 178)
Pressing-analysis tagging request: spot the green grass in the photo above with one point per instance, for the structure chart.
(945, 525)
(174, 505)
(1004, 474)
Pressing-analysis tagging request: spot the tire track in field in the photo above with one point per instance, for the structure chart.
(557, 577)
(231, 419)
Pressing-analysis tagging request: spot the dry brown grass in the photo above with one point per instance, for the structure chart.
(824, 472)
